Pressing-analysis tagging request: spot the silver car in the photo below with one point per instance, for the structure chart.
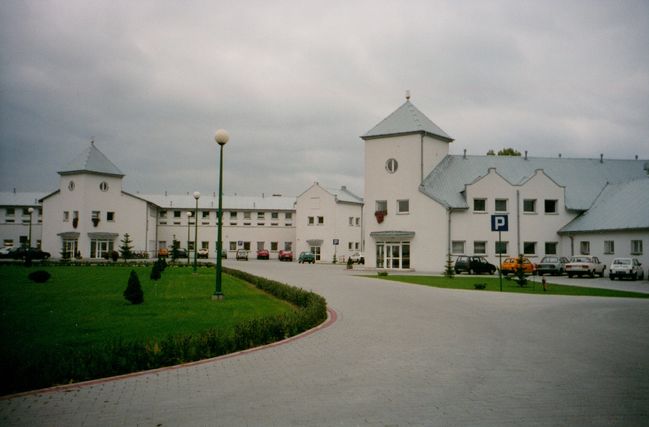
(626, 267)
(552, 264)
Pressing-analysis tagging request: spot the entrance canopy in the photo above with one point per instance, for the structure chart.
(392, 235)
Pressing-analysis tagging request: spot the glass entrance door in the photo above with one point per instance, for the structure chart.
(316, 251)
(393, 255)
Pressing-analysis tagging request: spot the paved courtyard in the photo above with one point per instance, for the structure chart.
(396, 355)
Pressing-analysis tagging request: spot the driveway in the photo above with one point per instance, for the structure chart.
(397, 355)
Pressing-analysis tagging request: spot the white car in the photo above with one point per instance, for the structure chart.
(585, 266)
(357, 257)
(626, 267)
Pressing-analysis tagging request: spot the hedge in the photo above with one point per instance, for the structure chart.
(51, 367)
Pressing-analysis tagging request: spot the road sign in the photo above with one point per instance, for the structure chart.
(499, 223)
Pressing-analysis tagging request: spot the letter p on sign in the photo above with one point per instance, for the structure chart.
(499, 223)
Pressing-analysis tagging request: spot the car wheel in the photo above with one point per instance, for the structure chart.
(570, 275)
(591, 274)
(492, 271)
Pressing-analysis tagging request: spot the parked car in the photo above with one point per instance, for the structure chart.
(285, 256)
(6, 251)
(242, 254)
(203, 253)
(357, 258)
(263, 254)
(626, 267)
(473, 265)
(554, 265)
(32, 253)
(163, 253)
(180, 253)
(511, 265)
(585, 265)
(306, 257)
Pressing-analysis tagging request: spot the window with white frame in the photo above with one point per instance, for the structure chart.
(110, 216)
(551, 206)
(288, 246)
(233, 215)
(274, 215)
(636, 247)
(350, 245)
(529, 248)
(288, 215)
(273, 246)
(584, 248)
(66, 216)
(500, 205)
(246, 215)
(479, 247)
(457, 246)
(382, 206)
(501, 247)
(320, 220)
(358, 221)
(260, 246)
(529, 206)
(233, 246)
(609, 247)
(311, 220)
(479, 205)
(403, 206)
(351, 220)
(261, 215)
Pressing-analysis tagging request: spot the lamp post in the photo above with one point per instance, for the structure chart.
(189, 215)
(29, 242)
(197, 196)
(221, 137)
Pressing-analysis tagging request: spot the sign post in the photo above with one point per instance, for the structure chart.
(500, 223)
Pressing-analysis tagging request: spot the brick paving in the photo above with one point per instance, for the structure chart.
(397, 355)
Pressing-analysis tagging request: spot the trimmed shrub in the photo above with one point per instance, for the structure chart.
(39, 276)
(133, 292)
(156, 272)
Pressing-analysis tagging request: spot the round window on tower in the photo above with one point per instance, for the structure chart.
(391, 165)
(103, 186)
(71, 185)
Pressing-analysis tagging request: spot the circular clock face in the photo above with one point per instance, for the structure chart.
(71, 185)
(391, 165)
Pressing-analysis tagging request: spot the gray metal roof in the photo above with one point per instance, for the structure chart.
(344, 195)
(583, 179)
(211, 201)
(10, 198)
(91, 160)
(619, 207)
(407, 119)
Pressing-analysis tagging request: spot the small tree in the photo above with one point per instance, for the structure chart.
(126, 249)
(174, 249)
(162, 262)
(449, 270)
(520, 273)
(508, 152)
(156, 271)
(133, 292)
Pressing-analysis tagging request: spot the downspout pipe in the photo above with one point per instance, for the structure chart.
(518, 222)
(421, 159)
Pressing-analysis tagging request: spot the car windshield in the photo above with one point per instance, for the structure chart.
(622, 261)
(550, 259)
(580, 259)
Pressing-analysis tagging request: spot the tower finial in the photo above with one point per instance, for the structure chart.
(407, 95)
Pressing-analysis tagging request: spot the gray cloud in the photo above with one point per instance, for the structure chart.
(296, 83)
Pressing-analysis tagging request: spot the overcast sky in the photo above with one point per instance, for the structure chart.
(297, 82)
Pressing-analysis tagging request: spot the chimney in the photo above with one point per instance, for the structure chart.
(636, 157)
(165, 193)
(525, 154)
(464, 157)
(559, 155)
(601, 158)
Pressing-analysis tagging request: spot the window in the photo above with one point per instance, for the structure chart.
(110, 216)
(260, 246)
(66, 216)
(457, 246)
(320, 220)
(261, 215)
(162, 244)
(358, 221)
(205, 214)
(382, 206)
(71, 185)
(274, 215)
(288, 215)
(529, 205)
(351, 220)
(233, 246)
(636, 247)
(609, 247)
(311, 220)
(176, 214)
(479, 247)
(356, 245)
(501, 205)
(529, 248)
(103, 186)
(246, 246)
(288, 246)
(190, 245)
(8, 242)
(273, 246)
(501, 247)
(205, 245)
(584, 248)
(550, 248)
(479, 205)
(403, 206)
(163, 214)
(233, 215)
(25, 211)
(95, 214)
(551, 206)
(391, 165)
(350, 245)
(11, 211)
(246, 215)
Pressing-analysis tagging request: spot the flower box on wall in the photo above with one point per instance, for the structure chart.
(75, 222)
(380, 216)
(95, 221)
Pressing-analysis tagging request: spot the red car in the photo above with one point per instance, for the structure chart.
(285, 256)
(263, 254)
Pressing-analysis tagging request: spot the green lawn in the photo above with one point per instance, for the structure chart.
(493, 284)
(82, 306)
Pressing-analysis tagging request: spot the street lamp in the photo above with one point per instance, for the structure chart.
(221, 137)
(197, 196)
(189, 215)
(31, 211)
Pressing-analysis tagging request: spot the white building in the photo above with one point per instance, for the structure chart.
(423, 203)
(328, 223)
(15, 218)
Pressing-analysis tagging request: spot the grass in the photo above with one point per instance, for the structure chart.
(83, 306)
(493, 284)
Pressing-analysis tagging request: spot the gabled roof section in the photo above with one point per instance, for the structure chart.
(405, 120)
(211, 201)
(619, 207)
(583, 179)
(91, 160)
(343, 195)
(10, 198)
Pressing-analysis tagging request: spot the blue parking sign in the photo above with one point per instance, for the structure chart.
(499, 223)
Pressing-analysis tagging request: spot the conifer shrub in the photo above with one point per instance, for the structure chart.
(39, 276)
(133, 292)
(156, 272)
